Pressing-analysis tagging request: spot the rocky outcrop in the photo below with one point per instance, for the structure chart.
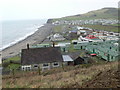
(49, 20)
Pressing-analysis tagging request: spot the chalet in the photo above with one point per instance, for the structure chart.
(108, 50)
(45, 58)
(41, 45)
(64, 46)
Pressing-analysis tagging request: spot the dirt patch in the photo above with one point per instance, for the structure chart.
(108, 79)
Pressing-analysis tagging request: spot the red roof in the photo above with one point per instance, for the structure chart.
(91, 37)
(93, 54)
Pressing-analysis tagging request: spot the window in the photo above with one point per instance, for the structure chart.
(27, 67)
(23, 68)
(35, 65)
(45, 64)
(55, 64)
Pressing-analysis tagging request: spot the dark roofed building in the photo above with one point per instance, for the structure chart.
(41, 57)
(77, 59)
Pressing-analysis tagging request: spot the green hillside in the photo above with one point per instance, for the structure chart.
(104, 13)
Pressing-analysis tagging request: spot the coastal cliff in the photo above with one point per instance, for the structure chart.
(49, 21)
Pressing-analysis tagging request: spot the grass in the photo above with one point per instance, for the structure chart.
(8, 65)
(102, 27)
(57, 78)
(115, 25)
(96, 14)
(57, 28)
(14, 66)
(15, 58)
(71, 48)
(61, 28)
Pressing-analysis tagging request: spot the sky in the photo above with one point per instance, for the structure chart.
(44, 9)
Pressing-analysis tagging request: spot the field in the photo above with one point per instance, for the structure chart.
(103, 27)
(94, 76)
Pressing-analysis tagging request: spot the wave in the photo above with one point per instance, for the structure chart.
(19, 39)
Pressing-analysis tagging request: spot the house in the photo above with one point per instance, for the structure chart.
(45, 58)
(57, 37)
(76, 58)
(92, 38)
(73, 34)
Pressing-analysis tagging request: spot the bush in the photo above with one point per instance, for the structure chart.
(5, 64)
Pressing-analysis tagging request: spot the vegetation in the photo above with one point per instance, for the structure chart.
(115, 25)
(57, 28)
(103, 27)
(105, 13)
(71, 77)
(15, 58)
(61, 28)
(11, 63)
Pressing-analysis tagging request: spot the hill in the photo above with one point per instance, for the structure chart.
(104, 13)
(93, 76)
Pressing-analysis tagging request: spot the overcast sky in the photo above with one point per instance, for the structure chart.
(40, 9)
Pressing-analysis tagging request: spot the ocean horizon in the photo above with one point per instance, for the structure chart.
(17, 30)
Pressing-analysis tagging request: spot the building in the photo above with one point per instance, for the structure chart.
(41, 45)
(57, 37)
(64, 46)
(45, 58)
(108, 50)
(73, 34)
(77, 59)
(67, 60)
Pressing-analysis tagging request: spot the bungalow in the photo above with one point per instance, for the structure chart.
(77, 59)
(57, 37)
(45, 58)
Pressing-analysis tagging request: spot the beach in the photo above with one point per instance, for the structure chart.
(39, 36)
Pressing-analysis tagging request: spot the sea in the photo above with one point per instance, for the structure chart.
(14, 31)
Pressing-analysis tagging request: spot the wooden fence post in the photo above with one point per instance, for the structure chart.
(39, 71)
(13, 72)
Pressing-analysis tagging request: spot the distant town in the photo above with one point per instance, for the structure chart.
(83, 22)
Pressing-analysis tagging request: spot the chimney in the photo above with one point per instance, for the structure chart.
(53, 44)
(27, 46)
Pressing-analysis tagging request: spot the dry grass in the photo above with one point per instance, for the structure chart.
(69, 79)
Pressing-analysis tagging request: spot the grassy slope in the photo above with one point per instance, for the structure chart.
(105, 13)
(76, 76)
(102, 27)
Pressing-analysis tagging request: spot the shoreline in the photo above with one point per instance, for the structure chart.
(19, 39)
(35, 38)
